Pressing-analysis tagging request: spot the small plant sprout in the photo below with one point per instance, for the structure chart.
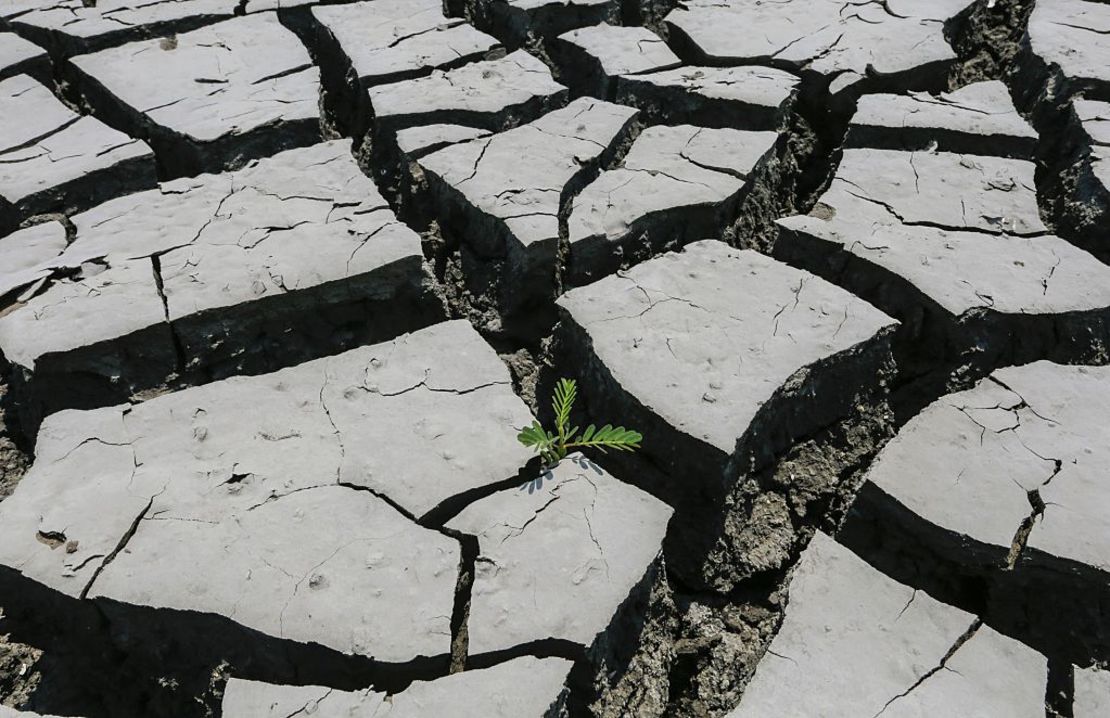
(554, 445)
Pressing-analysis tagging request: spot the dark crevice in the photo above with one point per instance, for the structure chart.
(717, 594)
(542, 648)
(612, 157)
(104, 659)
(451, 507)
(468, 554)
(1071, 199)
(1060, 690)
(460, 615)
(119, 547)
(964, 638)
(342, 100)
(987, 38)
(1054, 605)
(807, 155)
(1021, 536)
(178, 346)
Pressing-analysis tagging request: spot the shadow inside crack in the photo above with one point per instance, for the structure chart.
(105, 658)
(1057, 606)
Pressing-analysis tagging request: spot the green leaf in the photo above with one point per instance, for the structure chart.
(536, 437)
(610, 437)
(553, 446)
(566, 390)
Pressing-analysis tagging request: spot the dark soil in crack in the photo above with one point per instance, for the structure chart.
(14, 462)
(19, 672)
(987, 37)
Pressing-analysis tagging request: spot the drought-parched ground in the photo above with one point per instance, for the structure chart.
(279, 283)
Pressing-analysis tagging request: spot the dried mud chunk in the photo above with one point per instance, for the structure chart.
(492, 95)
(61, 162)
(595, 56)
(6, 712)
(724, 356)
(748, 98)
(524, 686)
(1065, 47)
(979, 119)
(261, 500)
(416, 142)
(855, 642)
(936, 189)
(850, 43)
(390, 40)
(1007, 473)
(524, 21)
(953, 245)
(675, 185)
(1092, 693)
(291, 257)
(577, 538)
(213, 98)
(507, 209)
(19, 57)
(28, 256)
(71, 27)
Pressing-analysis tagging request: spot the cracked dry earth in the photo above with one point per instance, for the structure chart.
(279, 282)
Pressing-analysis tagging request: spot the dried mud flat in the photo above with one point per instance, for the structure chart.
(280, 281)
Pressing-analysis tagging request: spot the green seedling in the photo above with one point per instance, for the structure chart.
(554, 445)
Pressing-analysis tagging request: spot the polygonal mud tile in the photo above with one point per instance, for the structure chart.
(492, 94)
(508, 210)
(211, 98)
(953, 245)
(979, 119)
(276, 501)
(1008, 473)
(15, 8)
(1065, 52)
(1092, 693)
(520, 687)
(1094, 117)
(28, 254)
(854, 642)
(594, 56)
(71, 27)
(62, 162)
(936, 189)
(855, 44)
(390, 40)
(381, 42)
(416, 142)
(556, 561)
(19, 57)
(675, 185)
(6, 712)
(524, 21)
(289, 258)
(747, 98)
(723, 356)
